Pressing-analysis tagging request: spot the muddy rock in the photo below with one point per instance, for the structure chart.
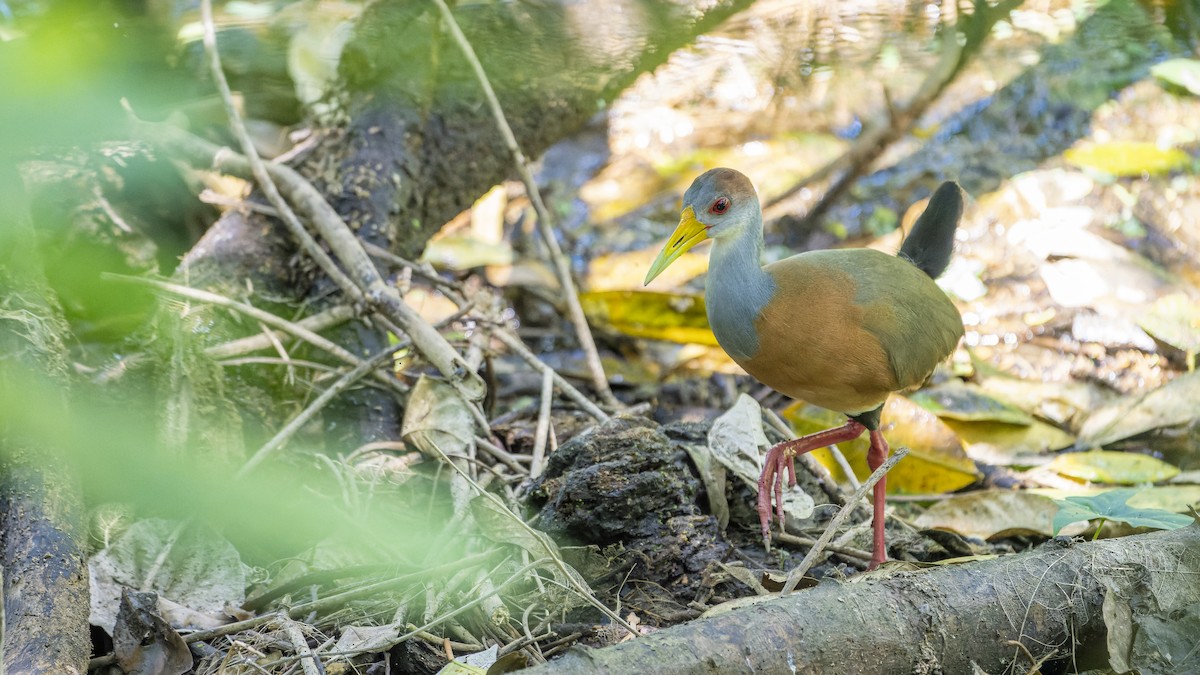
(628, 482)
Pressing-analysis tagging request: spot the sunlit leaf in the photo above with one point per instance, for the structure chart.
(993, 514)
(1059, 402)
(967, 402)
(459, 253)
(1112, 505)
(1169, 405)
(1182, 73)
(1008, 444)
(1103, 466)
(619, 271)
(1174, 319)
(1127, 158)
(649, 314)
(935, 464)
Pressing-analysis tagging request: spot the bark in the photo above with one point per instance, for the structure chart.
(45, 580)
(943, 619)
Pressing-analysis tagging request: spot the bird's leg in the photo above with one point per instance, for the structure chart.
(781, 459)
(876, 456)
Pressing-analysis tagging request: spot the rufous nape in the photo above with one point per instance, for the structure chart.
(841, 329)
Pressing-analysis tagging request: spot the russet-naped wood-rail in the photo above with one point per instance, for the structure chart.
(841, 329)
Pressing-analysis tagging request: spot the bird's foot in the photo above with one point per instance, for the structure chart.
(781, 459)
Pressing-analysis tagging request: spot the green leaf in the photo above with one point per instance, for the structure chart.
(1111, 505)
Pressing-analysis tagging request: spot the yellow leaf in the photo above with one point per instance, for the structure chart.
(1103, 466)
(935, 464)
(1126, 158)
(649, 314)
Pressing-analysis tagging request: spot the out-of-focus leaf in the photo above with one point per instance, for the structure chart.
(1126, 158)
(738, 443)
(993, 514)
(626, 271)
(1174, 319)
(1112, 505)
(650, 314)
(459, 253)
(935, 464)
(1172, 404)
(1059, 402)
(1182, 73)
(959, 400)
(1102, 466)
(184, 562)
(315, 50)
(1008, 444)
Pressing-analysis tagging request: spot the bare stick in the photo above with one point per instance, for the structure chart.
(542, 435)
(813, 553)
(256, 313)
(316, 323)
(259, 168)
(308, 660)
(545, 227)
(311, 204)
(359, 371)
(514, 343)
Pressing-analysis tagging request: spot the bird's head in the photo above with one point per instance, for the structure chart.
(721, 203)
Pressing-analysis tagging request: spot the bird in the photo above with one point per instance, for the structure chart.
(839, 328)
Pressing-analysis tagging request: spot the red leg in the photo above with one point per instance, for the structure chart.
(781, 459)
(876, 456)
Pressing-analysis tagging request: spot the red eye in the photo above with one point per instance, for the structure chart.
(720, 206)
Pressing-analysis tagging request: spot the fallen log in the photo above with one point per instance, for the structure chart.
(1000, 615)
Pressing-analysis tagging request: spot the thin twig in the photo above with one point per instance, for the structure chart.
(542, 434)
(256, 313)
(545, 225)
(316, 323)
(786, 538)
(815, 552)
(309, 661)
(569, 575)
(514, 343)
(360, 371)
(310, 203)
(259, 168)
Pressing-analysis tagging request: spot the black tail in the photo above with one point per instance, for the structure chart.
(931, 241)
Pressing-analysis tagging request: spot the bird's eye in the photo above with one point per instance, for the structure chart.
(720, 206)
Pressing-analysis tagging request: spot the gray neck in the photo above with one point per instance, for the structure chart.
(736, 291)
